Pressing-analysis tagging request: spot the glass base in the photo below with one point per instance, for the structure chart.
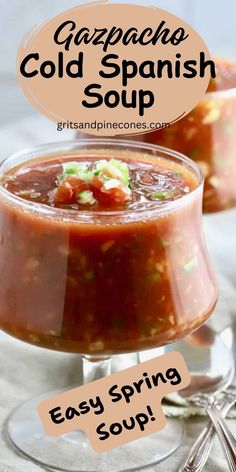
(73, 453)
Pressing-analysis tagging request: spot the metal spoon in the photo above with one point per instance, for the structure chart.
(225, 436)
(199, 453)
(211, 365)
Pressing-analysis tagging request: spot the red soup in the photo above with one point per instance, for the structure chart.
(102, 253)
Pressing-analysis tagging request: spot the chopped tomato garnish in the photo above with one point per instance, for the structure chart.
(106, 186)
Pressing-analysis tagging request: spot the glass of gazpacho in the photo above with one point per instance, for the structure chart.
(101, 253)
(208, 136)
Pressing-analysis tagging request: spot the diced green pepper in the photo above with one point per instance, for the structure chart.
(122, 167)
(79, 170)
(86, 197)
(159, 196)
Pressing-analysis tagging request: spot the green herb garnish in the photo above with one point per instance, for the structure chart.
(113, 174)
(70, 168)
(123, 169)
(78, 170)
(113, 169)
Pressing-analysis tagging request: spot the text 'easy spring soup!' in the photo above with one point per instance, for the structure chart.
(102, 253)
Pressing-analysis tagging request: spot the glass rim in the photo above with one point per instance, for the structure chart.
(72, 215)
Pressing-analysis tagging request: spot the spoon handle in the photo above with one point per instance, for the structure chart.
(226, 438)
(199, 453)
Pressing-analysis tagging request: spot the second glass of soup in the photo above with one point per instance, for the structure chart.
(208, 136)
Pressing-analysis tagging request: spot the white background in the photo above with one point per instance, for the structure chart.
(213, 19)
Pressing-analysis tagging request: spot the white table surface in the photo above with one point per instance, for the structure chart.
(26, 371)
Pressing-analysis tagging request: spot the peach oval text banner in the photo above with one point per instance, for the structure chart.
(111, 69)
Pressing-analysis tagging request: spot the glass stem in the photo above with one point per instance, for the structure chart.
(95, 368)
